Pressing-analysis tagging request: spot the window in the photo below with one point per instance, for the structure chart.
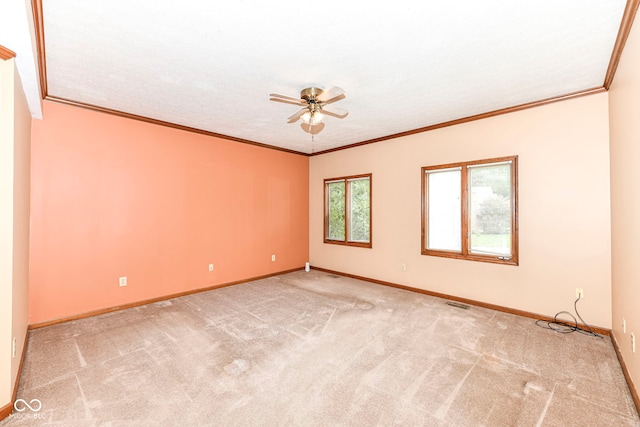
(469, 210)
(347, 210)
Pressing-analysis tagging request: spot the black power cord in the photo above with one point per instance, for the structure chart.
(565, 327)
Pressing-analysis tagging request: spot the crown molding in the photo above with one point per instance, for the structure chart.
(623, 33)
(470, 118)
(167, 124)
(6, 54)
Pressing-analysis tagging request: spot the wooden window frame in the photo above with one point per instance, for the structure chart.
(464, 201)
(346, 241)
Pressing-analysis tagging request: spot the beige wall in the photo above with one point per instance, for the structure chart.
(6, 226)
(21, 221)
(624, 100)
(15, 137)
(564, 209)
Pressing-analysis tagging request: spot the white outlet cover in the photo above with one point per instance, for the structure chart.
(210, 267)
(123, 281)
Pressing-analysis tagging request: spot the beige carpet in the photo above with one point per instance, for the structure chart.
(312, 349)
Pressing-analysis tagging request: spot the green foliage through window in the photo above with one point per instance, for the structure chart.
(360, 210)
(336, 210)
(470, 210)
(348, 210)
(490, 208)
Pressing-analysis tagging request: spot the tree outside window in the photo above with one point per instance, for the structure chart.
(470, 210)
(348, 210)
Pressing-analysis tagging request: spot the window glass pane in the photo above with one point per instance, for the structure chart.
(359, 190)
(336, 225)
(444, 210)
(490, 209)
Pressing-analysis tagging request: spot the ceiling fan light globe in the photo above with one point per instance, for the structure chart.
(306, 117)
(316, 118)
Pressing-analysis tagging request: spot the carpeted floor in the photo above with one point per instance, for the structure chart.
(313, 349)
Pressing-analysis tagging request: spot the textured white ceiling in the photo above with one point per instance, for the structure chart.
(403, 64)
(17, 33)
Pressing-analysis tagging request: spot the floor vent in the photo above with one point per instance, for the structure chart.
(458, 305)
(333, 276)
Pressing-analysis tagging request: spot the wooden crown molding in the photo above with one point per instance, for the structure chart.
(167, 124)
(38, 24)
(42, 66)
(623, 33)
(6, 54)
(470, 118)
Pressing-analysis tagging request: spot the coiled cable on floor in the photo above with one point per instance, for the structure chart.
(565, 327)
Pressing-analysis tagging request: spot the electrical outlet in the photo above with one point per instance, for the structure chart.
(123, 281)
(273, 257)
(210, 267)
(579, 293)
(13, 348)
(633, 343)
(624, 326)
(403, 267)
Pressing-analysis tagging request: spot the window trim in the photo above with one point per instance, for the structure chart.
(464, 201)
(347, 216)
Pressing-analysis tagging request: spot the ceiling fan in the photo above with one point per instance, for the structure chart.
(314, 103)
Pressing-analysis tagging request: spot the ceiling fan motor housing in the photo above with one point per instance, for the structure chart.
(309, 94)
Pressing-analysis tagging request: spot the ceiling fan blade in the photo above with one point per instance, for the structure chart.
(297, 115)
(334, 99)
(283, 97)
(286, 101)
(332, 95)
(334, 111)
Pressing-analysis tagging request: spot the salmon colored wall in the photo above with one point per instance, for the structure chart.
(624, 100)
(116, 197)
(564, 209)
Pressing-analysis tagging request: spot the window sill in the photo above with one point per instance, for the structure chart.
(494, 259)
(343, 243)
